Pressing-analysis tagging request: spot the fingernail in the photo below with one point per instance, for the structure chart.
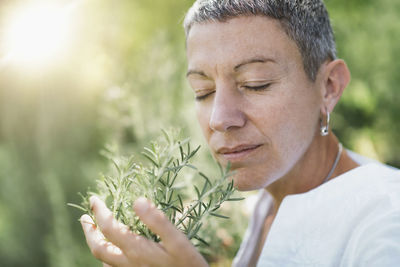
(85, 219)
(141, 205)
(91, 201)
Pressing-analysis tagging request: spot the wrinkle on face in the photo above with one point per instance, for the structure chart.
(283, 118)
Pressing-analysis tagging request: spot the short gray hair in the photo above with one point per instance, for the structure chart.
(306, 22)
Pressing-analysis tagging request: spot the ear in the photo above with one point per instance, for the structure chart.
(335, 78)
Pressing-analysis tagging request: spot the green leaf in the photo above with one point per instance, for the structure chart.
(197, 192)
(201, 240)
(235, 199)
(160, 180)
(77, 206)
(205, 177)
(219, 215)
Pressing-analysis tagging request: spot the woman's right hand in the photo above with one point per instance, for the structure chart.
(115, 245)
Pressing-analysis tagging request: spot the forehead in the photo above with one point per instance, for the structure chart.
(239, 39)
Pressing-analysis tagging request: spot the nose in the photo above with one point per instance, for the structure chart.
(227, 111)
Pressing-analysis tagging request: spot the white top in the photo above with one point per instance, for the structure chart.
(352, 220)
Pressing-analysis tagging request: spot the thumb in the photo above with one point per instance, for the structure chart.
(158, 223)
(174, 241)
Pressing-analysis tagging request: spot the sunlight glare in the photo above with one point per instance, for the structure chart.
(36, 34)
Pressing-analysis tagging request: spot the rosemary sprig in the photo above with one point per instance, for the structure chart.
(164, 181)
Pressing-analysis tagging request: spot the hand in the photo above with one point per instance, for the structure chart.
(115, 245)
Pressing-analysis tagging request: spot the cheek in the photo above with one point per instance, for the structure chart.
(203, 117)
(289, 114)
(297, 129)
(289, 123)
(296, 121)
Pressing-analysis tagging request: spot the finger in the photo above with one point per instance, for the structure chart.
(145, 252)
(116, 232)
(100, 248)
(106, 265)
(133, 246)
(179, 248)
(157, 222)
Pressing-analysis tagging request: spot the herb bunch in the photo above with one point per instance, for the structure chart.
(165, 179)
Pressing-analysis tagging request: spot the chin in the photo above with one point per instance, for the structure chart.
(248, 179)
(245, 182)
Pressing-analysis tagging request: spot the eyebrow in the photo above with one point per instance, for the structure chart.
(198, 72)
(253, 60)
(237, 67)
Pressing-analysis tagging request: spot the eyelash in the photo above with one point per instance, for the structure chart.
(202, 97)
(253, 88)
(257, 88)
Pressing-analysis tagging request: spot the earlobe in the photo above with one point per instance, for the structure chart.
(336, 79)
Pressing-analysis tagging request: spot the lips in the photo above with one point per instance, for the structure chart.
(237, 153)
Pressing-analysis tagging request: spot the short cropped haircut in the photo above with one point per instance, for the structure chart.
(306, 22)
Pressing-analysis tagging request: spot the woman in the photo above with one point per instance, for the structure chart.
(266, 77)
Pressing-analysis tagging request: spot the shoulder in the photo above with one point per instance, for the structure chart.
(375, 239)
(378, 180)
(342, 221)
(375, 242)
(369, 185)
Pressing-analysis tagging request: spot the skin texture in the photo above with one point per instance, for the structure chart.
(125, 249)
(281, 121)
(258, 110)
(282, 118)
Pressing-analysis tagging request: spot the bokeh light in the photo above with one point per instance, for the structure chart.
(78, 74)
(36, 34)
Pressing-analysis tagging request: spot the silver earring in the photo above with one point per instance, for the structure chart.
(325, 128)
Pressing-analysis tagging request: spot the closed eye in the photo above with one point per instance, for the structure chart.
(202, 97)
(257, 88)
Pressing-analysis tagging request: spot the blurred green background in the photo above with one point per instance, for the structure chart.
(118, 77)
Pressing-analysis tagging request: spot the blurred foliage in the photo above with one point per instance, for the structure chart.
(368, 38)
(171, 181)
(120, 80)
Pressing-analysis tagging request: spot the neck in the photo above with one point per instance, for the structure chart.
(312, 169)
